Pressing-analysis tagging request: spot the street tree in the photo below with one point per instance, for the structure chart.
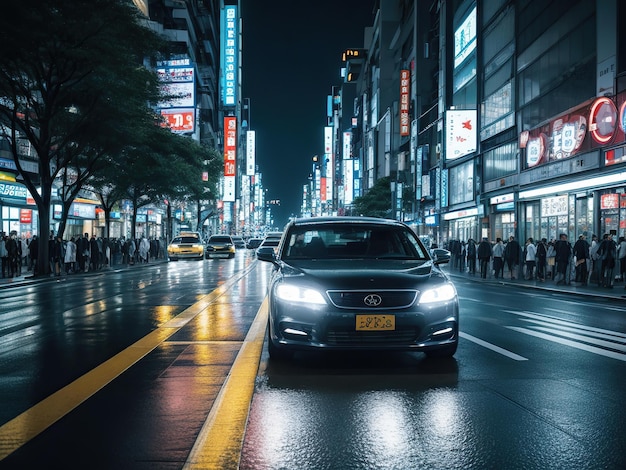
(202, 191)
(57, 80)
(159, 166)
(376, 202)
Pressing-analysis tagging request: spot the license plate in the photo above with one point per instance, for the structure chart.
(375, 322)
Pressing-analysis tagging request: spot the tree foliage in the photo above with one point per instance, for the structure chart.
(75, 88)
(376, 202)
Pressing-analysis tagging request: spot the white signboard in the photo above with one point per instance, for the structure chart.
(460, 133)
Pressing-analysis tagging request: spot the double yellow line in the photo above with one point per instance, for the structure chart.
(220, 440)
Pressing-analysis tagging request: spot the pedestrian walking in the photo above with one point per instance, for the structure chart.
(144, 249)
(462, 256)
(57, 255)
(621, 256)
(12, 250)
(471, 255)
(581, 253)
(33, 248)
(484, 256)
(498, 258)
(531, 258)
(562, 255)
(83, 252)
(94, 253)
(24, 252)
(4, 254)
(70, 256)
(131, 251)
(542, 259)
(512, 252)
(607, 253)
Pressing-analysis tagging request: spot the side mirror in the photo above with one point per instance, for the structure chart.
(266, 253)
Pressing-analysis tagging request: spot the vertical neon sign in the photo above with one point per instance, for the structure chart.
(230, 55)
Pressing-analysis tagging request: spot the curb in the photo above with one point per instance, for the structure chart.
(29, 279)
(588, 292)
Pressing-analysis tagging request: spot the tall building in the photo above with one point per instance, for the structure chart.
(192, 70)
(515, 121)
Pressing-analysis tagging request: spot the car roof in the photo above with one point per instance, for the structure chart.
(189, 234)
(346, 219)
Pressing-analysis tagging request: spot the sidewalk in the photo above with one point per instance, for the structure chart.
(27, 277)
(592, 290)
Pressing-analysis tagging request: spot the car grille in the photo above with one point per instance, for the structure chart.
(384, 299)
(337, 337)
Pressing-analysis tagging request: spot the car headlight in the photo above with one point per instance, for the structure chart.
(441, 293)
(293, 293)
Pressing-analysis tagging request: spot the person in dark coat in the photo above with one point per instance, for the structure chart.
(563, 253)
(471, 255)
(512, 253)
(484, 256)
(57, 255)
(11, 247)
(33, 248)
(607, 253)
(94, 249)
(82, 252)
(542, 259)
(581, 252)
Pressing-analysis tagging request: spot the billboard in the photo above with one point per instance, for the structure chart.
(229, 57)
(230, 157)
(250, 153)
(581, 129)
(460, 133)
(465, 38)
(177, 79)
(405, 86)
(181, 121)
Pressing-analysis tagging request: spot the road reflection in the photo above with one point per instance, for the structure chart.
(357, 411)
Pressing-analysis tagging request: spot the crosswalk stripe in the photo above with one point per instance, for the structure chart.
(573, 344)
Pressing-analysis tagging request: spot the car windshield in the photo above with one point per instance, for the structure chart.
(179, 240)
(220, 240)
(352, 242)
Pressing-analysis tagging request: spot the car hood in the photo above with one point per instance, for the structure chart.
(363, 274)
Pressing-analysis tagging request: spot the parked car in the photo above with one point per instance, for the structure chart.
(186, 245)
(358, 283)
(254, 243)
(220, 246)
(238, 241)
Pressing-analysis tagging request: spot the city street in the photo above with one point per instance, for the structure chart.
(163, 366)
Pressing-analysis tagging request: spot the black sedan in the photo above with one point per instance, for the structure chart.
(358, 283)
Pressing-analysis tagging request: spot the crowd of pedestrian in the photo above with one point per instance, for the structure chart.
(75, 254)
(599, 262)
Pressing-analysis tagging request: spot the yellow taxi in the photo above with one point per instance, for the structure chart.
(186, 245)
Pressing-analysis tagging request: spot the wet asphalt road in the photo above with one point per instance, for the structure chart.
(537, 381)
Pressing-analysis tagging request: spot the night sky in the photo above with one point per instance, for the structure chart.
(291, 59)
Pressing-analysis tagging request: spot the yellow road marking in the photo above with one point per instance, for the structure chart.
(219, 443)
(21, 429)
